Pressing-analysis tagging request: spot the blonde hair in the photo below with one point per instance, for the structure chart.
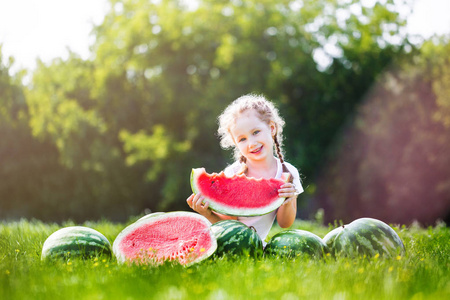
(267, 113)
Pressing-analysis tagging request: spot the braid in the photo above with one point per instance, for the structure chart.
(280, 156)
(278, 148)
(244, 167)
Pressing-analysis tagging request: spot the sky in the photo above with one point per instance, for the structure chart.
(45, 29)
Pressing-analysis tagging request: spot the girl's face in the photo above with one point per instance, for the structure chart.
(253, 137)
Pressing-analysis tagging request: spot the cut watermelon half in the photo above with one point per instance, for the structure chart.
(238, 195)
(182, 237)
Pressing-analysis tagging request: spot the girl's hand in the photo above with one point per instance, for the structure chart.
(288, 210)
(195, 201)
(288, 191)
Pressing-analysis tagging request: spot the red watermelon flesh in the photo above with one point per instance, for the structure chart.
(181, 237)
(238, 195)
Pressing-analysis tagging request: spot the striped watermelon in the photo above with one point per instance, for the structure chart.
(295, 242)
(76, 241)
(365, 237)
(236, 238)
(182, 237)
(238, 195)
(330, 237)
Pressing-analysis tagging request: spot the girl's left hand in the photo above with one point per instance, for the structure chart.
(288, 191)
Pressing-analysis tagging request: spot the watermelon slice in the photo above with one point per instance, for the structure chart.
(182, 237)
(238, 195)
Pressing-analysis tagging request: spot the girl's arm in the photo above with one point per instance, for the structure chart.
(196, 202)
(287, 212)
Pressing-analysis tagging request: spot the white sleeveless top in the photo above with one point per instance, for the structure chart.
(262, 224)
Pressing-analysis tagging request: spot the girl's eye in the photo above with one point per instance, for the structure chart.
(242, 140)
(256, 132)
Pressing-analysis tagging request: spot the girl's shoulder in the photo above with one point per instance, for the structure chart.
(290, 167)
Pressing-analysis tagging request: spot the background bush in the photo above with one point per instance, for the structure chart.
(118, 133)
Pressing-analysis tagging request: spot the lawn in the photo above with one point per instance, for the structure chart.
(423, 273)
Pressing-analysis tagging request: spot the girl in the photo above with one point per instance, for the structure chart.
(252, 125)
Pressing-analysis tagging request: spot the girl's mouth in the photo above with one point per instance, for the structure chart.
(257, 151)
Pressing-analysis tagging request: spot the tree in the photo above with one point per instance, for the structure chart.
(29, 168)
(127, 125)
(392, 163)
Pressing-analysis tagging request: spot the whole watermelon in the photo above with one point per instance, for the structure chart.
(76, 241)
(295, 242)
(365, 237)
(329, 238)
(236, 238)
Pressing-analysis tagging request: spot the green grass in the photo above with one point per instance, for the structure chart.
(423, 273)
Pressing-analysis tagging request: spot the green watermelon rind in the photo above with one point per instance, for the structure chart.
(331, 236)
(150, 218)
(76, 241)
(235, 211)
(150, 215)
(295, 243)
(236, 238)
(367, 237)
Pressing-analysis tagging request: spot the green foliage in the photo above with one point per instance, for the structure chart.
(423, 273)
(435, 57)
(158, 148)
(118, 133)
(391, 157)
(28, 167)
(61, 110)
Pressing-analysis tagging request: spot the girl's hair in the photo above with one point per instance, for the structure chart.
(267, 112)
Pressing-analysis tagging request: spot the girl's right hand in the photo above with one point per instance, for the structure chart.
(196, 202)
